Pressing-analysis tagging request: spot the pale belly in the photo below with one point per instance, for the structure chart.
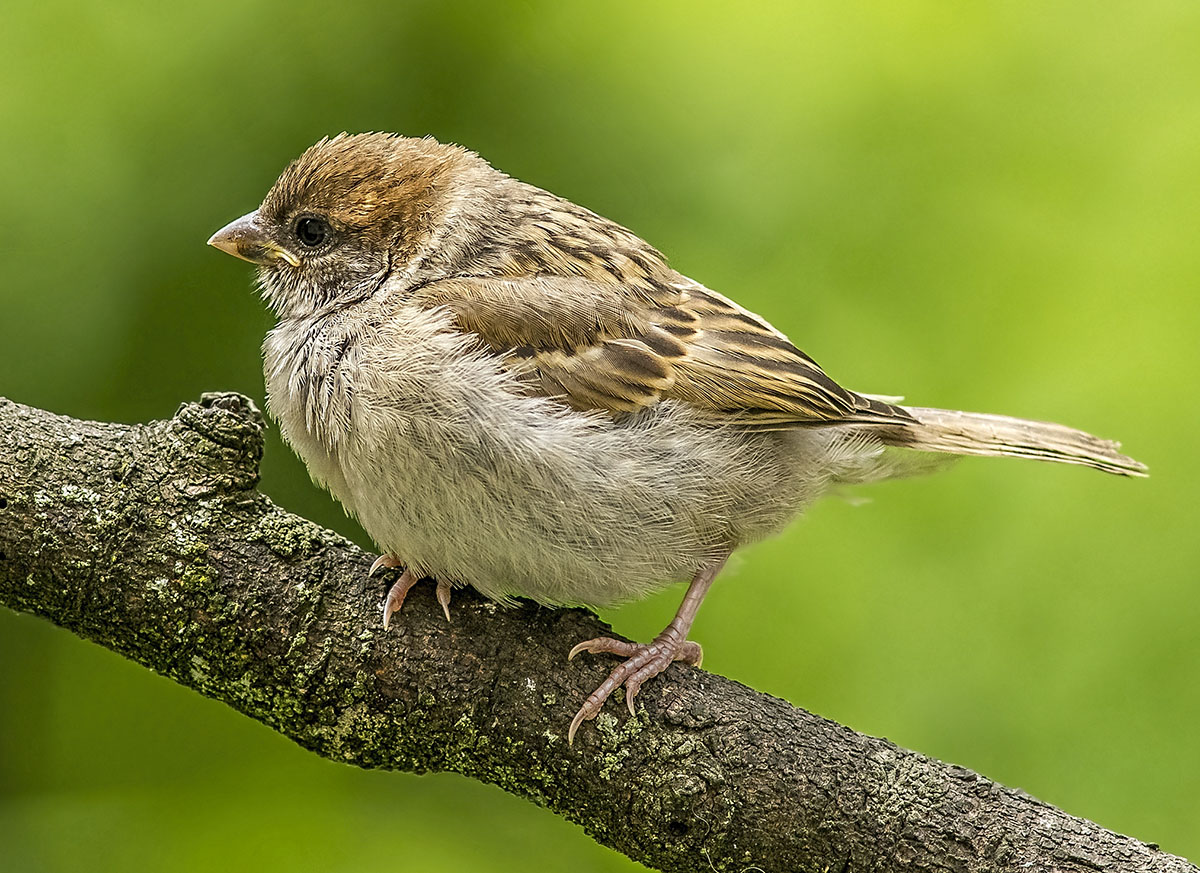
(450, 468)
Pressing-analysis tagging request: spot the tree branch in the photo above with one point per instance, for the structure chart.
(151, 540)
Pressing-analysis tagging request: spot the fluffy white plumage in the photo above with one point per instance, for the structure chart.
(447, 463)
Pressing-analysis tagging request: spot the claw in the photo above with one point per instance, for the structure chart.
(443, 597)
(388, 561)
(575, 723)
(604, 644)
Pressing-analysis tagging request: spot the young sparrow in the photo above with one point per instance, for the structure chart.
(511, 392)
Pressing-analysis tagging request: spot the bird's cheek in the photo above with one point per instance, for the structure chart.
(357, 269)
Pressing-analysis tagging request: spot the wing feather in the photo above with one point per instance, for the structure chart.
(593, 316)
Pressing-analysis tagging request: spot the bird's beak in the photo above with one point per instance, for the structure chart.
(245, 239)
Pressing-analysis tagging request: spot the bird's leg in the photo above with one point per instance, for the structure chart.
(644, 662)
(399, 590)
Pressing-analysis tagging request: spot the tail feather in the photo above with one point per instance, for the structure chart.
(976, 433)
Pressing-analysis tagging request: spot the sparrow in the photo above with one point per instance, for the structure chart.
(511, 392)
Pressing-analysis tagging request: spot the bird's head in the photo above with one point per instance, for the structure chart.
(344, 216)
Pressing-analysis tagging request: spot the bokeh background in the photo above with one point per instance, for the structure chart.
(983, 206)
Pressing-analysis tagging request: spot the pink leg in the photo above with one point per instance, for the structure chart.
(644, 662)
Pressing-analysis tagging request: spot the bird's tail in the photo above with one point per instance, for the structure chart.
(975, 433)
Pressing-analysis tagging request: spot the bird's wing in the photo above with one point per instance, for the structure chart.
(570, 338)
(620, 347)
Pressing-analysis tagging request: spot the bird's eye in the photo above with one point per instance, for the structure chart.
(311, 231)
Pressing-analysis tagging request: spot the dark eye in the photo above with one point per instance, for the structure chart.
(311, 231)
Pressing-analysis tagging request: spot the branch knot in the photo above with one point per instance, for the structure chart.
(232, 426)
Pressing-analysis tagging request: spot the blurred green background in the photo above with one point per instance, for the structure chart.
(982, 206)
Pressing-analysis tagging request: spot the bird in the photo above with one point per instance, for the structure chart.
(514, 393)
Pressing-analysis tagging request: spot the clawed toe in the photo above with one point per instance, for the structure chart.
(395, 597)
(384, 561)
(401, 587)
(443, 597)
(643, 662)
(604, 645)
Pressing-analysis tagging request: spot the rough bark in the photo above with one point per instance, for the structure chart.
(153, 541)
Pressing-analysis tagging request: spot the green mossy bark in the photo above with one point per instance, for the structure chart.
(152, 541)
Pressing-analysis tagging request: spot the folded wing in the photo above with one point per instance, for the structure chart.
(620, 347)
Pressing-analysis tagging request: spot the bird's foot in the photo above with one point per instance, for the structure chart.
(643, 662)
(399, 590)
